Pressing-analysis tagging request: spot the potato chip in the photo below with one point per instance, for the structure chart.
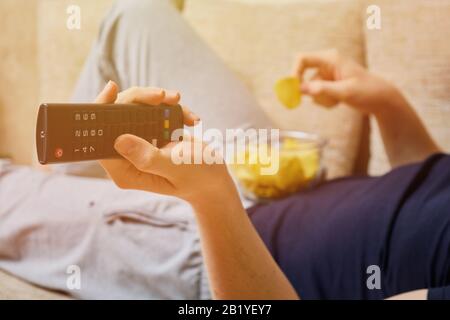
(288, 92)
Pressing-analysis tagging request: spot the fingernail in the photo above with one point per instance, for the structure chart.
(124, 145)
(161, 92)
(108, 86)
(194, 116)
(173, 93)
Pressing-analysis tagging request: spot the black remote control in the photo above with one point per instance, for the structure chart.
(79, 132)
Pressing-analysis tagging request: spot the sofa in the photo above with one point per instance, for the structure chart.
(258, 40)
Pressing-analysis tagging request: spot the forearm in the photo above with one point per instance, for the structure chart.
(404, 135)
(238, 263)
(412, 295)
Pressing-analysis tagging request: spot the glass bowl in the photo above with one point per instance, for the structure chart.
(300, 166)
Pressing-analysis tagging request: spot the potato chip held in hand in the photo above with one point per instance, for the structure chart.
(288, 92)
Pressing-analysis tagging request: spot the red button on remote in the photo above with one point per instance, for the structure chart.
(59, 153)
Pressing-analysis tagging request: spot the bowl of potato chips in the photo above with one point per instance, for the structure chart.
(300, 167)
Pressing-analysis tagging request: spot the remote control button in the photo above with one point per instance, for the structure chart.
(77, 133)
(126, 129)
(100, 133)
(59, 152)
(99, 115)
(77, 116)
(93, 132)
(100, 148)
(117, 116)
(140, 130)
(141, 116)
(107, 132)
(125, 116)
(76, 152)
(109, 117)
(155, 129)
(148, 131)
(132, 115)
(149, 115)
(85, 133)
(93, 116)
(85, 116)
(115, 132)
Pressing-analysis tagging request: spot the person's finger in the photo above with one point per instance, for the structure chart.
(108, 94)
(172, 97)
(138, 95)
(318, 59)
(126, 176)
(339, 90)
(327, 93)
(156, 96)
(143, 155)
(190, 118)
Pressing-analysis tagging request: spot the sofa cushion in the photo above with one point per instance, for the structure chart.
(62, 51)
(260, 40)
(412, 50)
(18, 78)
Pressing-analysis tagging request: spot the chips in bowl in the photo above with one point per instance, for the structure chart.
(300, 167)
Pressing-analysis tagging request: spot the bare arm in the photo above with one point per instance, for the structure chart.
(338, 79)
(412, 295)
(238, 263)
(404, 135)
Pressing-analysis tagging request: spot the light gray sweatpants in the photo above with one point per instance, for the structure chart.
(126, 244)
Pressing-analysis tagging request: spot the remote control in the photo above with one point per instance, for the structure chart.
(79, 132)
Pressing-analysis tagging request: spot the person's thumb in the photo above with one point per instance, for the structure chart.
(108, 94)
(336, 90)
(142, 154)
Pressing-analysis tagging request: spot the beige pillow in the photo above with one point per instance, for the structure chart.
(260, 41)
(413, 50)
(18, 78)
(62, 52)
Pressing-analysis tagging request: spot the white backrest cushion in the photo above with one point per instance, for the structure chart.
(413, 50)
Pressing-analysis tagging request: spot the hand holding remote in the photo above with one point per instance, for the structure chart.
(148, 168)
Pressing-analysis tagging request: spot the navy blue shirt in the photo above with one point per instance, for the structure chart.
(328, 240)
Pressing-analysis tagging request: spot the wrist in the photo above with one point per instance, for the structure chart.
(216, 198)
(391, 100)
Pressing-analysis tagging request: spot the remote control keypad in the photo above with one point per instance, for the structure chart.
(96, 131)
